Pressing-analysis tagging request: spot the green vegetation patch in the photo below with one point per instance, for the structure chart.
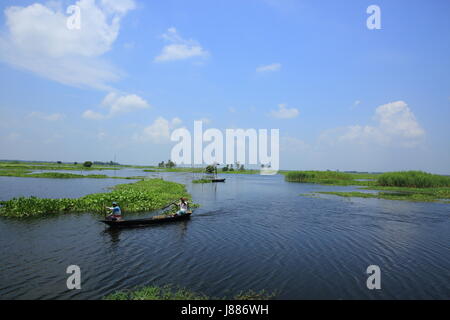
(141, 196)
(413, 179)
(202, 181)
(171, 293)
(404, 185)
(56, 175)
(404, 194)
(14, 172)
(51, 166)
(327, 177)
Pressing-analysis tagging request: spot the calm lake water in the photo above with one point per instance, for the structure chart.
(252, 232)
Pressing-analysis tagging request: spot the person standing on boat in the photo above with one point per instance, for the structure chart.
(116, 213)
(184, 207)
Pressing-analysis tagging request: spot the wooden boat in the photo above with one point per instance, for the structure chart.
(218, 180)
(147, 221)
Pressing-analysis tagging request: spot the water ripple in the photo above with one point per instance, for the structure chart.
(249, 233)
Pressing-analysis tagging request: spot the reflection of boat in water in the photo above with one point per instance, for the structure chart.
(147, 221)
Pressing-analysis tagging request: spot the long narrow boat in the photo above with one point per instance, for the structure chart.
(218, 180)
(147, 221)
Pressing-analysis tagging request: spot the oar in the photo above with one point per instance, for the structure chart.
(168, 206)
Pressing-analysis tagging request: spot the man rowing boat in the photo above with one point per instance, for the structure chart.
(116, 213)
(184, 207)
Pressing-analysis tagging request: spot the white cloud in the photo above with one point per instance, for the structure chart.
(117, 104)
(159, 131)
(56, 5)
(47, 117)
(205, 120)
(176, 122)
(284, 113)
(92, 115)
(232, 109)
(396, 119)
(37, 39)
(396, 124)
(269, 68)
(179, 48)
(123, 104)
(118, 6)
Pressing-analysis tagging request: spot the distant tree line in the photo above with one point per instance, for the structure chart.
(109, 163)
(169, 164)
(88, 164)
(236, 167)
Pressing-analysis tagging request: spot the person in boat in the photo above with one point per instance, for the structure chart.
(116, 213)
(184, 207)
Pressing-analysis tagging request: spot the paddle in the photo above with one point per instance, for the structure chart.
(105, 211)
(168, 206)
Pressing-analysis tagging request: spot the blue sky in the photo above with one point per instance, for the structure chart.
(343, 96)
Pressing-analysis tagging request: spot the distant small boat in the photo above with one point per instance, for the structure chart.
(147, 221)
(215, 178)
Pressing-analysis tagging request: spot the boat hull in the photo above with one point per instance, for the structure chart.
(145, 222)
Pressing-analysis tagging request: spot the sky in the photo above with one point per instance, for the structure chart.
(114, 87)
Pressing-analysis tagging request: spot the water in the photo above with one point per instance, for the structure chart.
(252, 232)
(11, 187)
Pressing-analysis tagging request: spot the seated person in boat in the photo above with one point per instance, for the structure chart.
(184, 207)
(116, 213)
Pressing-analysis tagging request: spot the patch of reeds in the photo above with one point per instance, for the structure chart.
(413, 179)
(321, 177)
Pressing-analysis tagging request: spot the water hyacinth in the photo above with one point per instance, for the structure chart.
(141, 196)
